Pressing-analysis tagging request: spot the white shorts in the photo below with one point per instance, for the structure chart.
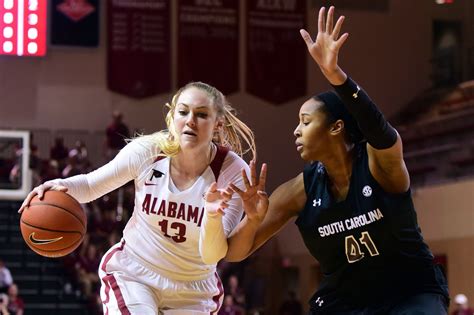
(128, 287)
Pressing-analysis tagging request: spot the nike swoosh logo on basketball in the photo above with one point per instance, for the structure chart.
(43, 242)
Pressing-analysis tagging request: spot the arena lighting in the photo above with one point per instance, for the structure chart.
(444, 1)
(23, 27)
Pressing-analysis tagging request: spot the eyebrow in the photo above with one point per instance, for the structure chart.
(200, 107)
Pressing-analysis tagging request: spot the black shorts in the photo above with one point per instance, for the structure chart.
(420, 304)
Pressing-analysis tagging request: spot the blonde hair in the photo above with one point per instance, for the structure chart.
(235, 134)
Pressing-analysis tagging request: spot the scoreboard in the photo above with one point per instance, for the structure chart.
(23, 27)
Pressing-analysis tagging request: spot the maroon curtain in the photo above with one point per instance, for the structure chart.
(138, 52)
(276, 53)
(208, 43)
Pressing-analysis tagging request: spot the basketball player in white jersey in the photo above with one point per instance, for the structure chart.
(166, 261)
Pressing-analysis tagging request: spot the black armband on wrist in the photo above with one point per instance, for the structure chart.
(378, 132)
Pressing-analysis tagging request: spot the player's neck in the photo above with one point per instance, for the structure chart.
(339, 170)
(190, 164)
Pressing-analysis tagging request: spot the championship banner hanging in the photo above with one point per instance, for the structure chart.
(276, 53)
(138, 47)
(75, 23)
(208, 43)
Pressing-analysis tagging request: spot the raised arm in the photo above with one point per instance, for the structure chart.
(284, 203)
(384, 143)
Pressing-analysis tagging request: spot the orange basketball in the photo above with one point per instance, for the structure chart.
(54, 226)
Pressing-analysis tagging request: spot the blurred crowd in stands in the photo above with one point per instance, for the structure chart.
(10, 302)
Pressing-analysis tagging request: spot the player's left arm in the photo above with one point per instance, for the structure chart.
(388, 167)
(384, 144)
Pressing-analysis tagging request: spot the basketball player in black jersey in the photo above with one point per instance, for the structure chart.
(352, 201)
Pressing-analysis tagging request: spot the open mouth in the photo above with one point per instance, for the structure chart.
(189, 133)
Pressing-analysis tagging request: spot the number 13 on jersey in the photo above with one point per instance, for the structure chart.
(353, 250)
(179, 230)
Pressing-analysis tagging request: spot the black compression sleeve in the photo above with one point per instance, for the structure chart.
(378, 132)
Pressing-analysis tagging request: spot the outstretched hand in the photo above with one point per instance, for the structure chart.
(254, 198)
(216, 200)
(325, 49)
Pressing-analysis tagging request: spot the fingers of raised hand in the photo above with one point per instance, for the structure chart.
(341, 40)
(321, 20)
(337, 28)
(306, 37)
(229, 190)
(236, 189)
(329, 20)
(253, 172)
(263, 177)
(245, 179)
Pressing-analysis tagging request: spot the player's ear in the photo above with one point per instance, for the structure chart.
(336, 127)
(219, 123)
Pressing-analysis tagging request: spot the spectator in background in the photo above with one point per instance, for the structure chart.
(35, 162)
(80, 152)
(34, 154)
(6, 279)
(16, 306)
(72, 167)
(15, 172)
(4, 304)
(59, 152)
(116, 133)
(236, 292)
(229, 307)
(49, 170)
(87, 267)
(462, 306)
(291, 306)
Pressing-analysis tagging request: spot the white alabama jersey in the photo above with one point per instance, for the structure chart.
(163, 232)
(164, 229)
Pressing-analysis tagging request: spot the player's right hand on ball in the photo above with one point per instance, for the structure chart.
(39, 190)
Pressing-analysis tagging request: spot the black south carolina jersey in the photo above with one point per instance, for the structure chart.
(369, 246)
